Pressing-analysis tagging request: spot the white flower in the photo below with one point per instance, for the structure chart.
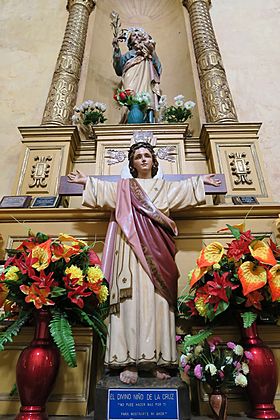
(189, 105)
(229, 360)
(245, 368)
(77, 109)
(75, 119)
(241, 380)
(238, 350)
(198, 349)
(183, 360)
(212, 368)
(179, 98)
(162, 101)
(179, 102)
(100, 106)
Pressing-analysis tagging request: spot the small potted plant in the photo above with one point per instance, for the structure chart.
(206, 359)
(177, 113)
(89, 114)
(137, 103)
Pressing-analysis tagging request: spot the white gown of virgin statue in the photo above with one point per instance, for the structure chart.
(142, 325)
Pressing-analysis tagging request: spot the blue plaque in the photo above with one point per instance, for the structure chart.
(152, 404)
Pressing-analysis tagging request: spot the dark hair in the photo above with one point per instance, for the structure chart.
(131, 154)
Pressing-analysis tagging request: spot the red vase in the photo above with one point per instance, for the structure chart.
(218, 404)
(36, 371)
(262, 378)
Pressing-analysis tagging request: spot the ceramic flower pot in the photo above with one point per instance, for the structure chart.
(135, 115)
(36, 371)
(218, 403)
(262, 378)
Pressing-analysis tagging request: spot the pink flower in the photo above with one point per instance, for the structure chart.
(186, 369)
(198, 371)
(248, 355)
(221, 374)
(237, 365)
(231, 345)
(213, 342)
(178, 338)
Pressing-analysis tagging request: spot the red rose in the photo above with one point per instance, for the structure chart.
(122, 96)
(115, 97)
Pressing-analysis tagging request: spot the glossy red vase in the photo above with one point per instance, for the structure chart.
(36, 371)
(262, 378)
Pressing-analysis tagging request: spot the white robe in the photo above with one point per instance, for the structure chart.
(142, 333)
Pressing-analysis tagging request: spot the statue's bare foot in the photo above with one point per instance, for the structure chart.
(129, 375)
(161, 373)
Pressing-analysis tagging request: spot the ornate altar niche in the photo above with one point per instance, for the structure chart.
(219, 144)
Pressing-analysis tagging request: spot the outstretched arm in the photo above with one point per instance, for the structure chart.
(209, 180)
(77, 177)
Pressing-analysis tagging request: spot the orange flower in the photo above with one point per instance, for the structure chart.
(36, 295)
(63, 237)
(261, 251)
(64, 251)
(210, 255)
(274, 282)
(196, 274)
(42, 254)
(252, 277)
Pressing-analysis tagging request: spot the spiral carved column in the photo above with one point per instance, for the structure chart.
(218, 102)
(64, 86)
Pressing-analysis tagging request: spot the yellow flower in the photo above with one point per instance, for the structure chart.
(11, 274)
(75, 273)
(200, 306)
(94, 274)
(43, 255)
(63, 237)
(103, 294)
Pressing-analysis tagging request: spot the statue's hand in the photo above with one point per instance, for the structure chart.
(115, 43)
(208, 180)
(77, 177)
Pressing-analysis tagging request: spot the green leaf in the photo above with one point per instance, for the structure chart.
(96, 323)
(248, 319)
(13, 391)
(61, 332)
(236, 232)
(193, 340)
(13, 329)
(58, 291)
(41, 237)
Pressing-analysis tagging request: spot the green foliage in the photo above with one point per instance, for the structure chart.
(248, 318)
(175, 114)
(13, 329)
(94, 117)
(61, 332)
(193, 340)
(41, 237)
(235, 231)
(94, 321)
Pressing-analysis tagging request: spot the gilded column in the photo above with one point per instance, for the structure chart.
(218, 102)
(64, 86)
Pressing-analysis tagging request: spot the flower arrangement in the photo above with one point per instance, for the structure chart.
(179, 112)
(89, 112)
(127, 97)
(61, 275)
(245, 275)
(207, 360)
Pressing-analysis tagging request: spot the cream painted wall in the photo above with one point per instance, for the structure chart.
(248, 34)
(31, 35)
